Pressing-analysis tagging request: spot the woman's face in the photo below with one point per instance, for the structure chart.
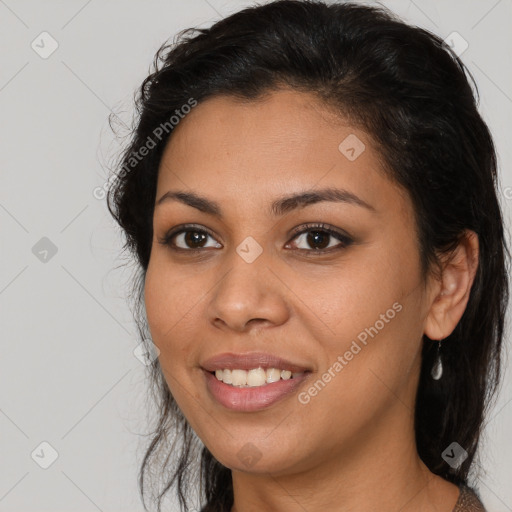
(254, 276)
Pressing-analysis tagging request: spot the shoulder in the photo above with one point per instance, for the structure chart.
(468, 501)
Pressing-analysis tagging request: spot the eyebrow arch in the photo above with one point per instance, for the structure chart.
(280, 206)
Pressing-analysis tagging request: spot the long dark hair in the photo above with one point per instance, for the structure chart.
(411, 94)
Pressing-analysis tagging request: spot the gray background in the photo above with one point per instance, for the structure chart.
(68, 373)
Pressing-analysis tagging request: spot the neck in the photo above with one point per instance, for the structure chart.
(380, 472)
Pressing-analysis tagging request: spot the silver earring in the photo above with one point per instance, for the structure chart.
(437, 369)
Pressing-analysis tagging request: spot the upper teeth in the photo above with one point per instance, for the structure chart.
(254, 377)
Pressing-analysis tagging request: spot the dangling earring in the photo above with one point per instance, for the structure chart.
(437, 369)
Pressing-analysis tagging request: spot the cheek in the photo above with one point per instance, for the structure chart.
(371, 367)
(353, 295)
(168, 294)
(155, 299)
(167, 304)
(372, 307)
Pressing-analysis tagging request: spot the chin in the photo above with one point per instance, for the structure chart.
(250, 455)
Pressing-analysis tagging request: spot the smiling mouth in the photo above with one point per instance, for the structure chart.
(254, 377)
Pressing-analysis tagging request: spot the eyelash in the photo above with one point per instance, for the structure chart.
(345, 240)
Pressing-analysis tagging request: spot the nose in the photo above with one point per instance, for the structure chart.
(248, 294)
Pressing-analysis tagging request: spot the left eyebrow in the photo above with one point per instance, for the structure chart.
(279, 207)
(287, 203)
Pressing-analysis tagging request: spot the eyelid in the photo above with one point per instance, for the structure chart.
(344, 238)
(165, 240)
(320, 226)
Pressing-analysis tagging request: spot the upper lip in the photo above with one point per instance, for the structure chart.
(248, 361)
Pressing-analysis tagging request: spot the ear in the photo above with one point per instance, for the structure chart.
(451, 291)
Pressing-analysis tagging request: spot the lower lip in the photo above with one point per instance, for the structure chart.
(251, 398)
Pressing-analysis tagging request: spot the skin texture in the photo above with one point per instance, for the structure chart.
(351, 447)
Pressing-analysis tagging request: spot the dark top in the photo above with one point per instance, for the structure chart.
(468, 501)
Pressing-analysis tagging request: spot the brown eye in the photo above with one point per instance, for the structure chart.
(194, 239)
(320, 239)
(188, 239)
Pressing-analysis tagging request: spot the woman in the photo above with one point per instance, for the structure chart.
(310, 194)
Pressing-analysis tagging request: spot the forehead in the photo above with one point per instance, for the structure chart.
(284, 142)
